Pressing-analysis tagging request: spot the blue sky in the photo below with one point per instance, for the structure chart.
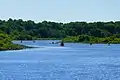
(61, 10)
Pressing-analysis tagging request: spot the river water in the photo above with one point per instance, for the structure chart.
(74, 61)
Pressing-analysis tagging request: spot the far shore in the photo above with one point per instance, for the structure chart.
(69, 41)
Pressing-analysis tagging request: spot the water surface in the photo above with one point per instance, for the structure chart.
(75, 61)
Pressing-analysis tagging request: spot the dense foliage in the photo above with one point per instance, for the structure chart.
(90, 39)
(6, 44)
(28, 30)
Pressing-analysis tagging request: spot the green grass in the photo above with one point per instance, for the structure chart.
(6, 43)
(91, 39)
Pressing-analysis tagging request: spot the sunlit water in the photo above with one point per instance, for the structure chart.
(74, 61)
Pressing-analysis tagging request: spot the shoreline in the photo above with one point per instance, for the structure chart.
(18, 47)
(89, 43)
(21, 47)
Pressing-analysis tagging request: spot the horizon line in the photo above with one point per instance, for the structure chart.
(60, 21)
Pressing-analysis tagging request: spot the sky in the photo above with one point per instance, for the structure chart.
(61, 10)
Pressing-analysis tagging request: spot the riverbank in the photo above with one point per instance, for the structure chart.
(91, 39)
(6, 43)
(13, 47)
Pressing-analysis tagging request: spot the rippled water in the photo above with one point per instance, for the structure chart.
(51, 62)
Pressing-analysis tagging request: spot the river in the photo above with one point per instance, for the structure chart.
(74, 61)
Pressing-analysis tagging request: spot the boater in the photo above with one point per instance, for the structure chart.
(108, 44)
(90, 43)
(62, 43)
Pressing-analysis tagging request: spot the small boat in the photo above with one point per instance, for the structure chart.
(108, 44)
(53, 43)
(56, 42)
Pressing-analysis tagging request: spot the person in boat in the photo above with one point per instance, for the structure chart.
(90, 43)
(108, 44)
(62, 43)
(21, 41)
(52, 42)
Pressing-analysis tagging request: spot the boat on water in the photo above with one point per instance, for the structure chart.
(54, 43)
(108, 44)
(62, 43)
(90, 43)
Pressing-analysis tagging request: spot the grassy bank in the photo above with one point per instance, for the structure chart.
(6, 43)
(90, 39)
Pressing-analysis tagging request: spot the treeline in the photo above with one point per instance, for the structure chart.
(28, 30)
